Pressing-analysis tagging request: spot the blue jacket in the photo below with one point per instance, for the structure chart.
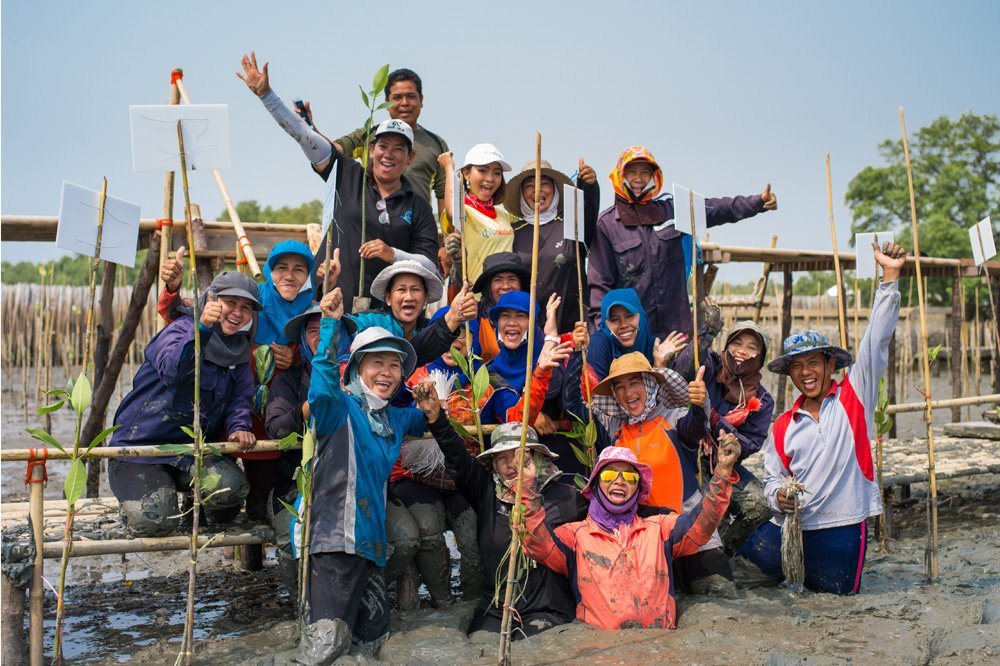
(753, 433)
(352, 464)
(162, 397)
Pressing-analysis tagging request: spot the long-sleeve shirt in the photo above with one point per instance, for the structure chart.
(352, 464)
(832, 456)
(161, 401)
(653, 260)
(623, 579)
(753, 432)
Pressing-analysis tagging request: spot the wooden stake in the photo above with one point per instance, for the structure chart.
(166, 230)
(932, 534)
(694, 280)
(36, 499)
(503, 655)
(761, 291)
(234, 216)
(591, 450)
(836, 258)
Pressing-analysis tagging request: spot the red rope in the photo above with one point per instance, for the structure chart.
(33, 462)
(164, 222)
(176, 76)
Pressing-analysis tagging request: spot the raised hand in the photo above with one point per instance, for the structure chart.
(246, 440)
(333, 265)
(426, 397)
(697, 391)
(729, 453)
(211, 314)
(172, 271)
(551, 314)
(585, 173)
(664, 352)
(453, 246)
(332, 304)
(257, 81)
(447, 160)
(463, 308)
(770, 200)
(890, 257)
(554, 356)
(581, 336)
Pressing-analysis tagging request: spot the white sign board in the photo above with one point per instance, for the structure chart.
(985, 249)
(865, 267)
(154, 136)
(77, 230)
(331, 199)
(682, 211)
(458, 201)
(571, 213)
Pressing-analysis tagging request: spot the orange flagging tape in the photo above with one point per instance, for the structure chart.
(164, 222)
(175, 77)
(34, 462)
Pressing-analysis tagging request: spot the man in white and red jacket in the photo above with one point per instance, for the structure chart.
(824, 441)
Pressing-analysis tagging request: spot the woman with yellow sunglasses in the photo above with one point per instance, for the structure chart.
(620, 564)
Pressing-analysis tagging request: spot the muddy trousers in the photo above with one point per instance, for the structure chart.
(748, 510)
(433, 511)
(349, 588)
(147, 494)
(834, 557)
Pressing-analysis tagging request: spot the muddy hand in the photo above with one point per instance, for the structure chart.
(426, 397)
(245, 439)
(729, 453)
(891, 257)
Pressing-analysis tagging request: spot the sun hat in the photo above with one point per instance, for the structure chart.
(485, 153)
(804, 342)
(513, 300)
(614, 454)
(750, 325)
(501, 262)
(377, 339)
(626, 364)
(507, 437)
(293, 329)
(232, 283)
(394, 126)
(421, 267)
(513, 200)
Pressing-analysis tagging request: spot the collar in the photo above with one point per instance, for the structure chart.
(797, 407)
(405, 189)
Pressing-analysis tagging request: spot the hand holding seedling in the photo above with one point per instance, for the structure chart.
(257, 81)
(211, 314)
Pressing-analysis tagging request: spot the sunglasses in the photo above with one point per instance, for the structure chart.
(383, 216)
(610, 475)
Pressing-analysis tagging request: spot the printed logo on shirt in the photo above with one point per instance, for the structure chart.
(490, 233)
(407, 217)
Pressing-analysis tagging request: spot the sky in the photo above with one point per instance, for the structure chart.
(729, 96)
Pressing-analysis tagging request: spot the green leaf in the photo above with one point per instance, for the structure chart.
(187, 430)
(102, 436)
(210, 481)
(381, 78)
(460, 361)
(460, 429)
(480, 383)
(581, 454)
(57, 392)
(177, 449)
(76, 481)
(48, 409)
(590, 434)
(308, 448)
(364, 98)
(81, 394)
(301, 484)
(289, 441)
(209, 450)
(290, 509)
(932, 354)
(580, 480)
(43, 436)
(384, 105)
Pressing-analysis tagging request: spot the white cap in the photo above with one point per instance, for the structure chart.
(485, 153)
(393, 126)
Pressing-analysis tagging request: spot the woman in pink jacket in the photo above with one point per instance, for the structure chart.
(616, 561)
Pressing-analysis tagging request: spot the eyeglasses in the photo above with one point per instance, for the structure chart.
(610, 475)
(383, 216)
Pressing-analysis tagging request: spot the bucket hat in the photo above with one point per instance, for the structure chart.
(422, 269)
(501, 262)
(377, 339)
(507, 437)
(621, 454)
(804, 342)
(293, 329)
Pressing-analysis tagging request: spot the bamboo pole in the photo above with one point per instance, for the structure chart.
(932, 534)
(836, 257)
(591, 449)
(957, 350)
(786, 330)
(241, 234)
(469, 354)
(694, 281)
(166, 230)
(36, 495)
(503, 655)
(150, 545)
(765, 275)
(992, 398)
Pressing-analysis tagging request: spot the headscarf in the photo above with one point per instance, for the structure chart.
(608, 404)
(609, 515)
(276, 310)
(510, 364)
(742, 380)
(545, 472)
(628, 299)
(631, 206)
(307, 353)
(544, 216)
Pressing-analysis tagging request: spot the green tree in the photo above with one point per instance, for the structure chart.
(72, 269)
(250, 211)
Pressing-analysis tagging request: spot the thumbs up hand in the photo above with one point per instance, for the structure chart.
(211, 314)
(770, 200)
(172, 271)
(585, 173)
(697, 391)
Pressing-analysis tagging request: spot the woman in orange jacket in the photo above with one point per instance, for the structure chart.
(620, 564)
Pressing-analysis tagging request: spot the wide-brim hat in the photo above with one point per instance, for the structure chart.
(233, 283)
(804, 342)
(507, 437)
(293, 328)
(626, 364)
(377, 339)
(422, 269)
(614, 454)
(751, 326)
(501, 262)
(519, 301)
(513, 200)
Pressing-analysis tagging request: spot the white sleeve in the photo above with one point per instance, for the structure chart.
(313, 144)
(774, 474)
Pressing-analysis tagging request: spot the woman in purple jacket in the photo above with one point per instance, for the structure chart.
(637, 246)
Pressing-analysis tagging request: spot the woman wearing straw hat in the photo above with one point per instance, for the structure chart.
(636, 246)
(556, 255)
(620, 564)
(489, 484)
(822, 446)
(488, 224)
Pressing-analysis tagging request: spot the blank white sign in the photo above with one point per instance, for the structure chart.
(987, 249)
(77, 230)
(571, 213)
(154, 136)
(682, 211)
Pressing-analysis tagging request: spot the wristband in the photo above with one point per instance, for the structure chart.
(552, 338)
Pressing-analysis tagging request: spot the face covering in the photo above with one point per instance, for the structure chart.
(609, 515)
(544, 216)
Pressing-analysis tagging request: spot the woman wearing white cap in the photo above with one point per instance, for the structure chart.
(399, 223)
(488, 225)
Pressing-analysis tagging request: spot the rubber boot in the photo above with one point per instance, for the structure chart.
(321, 643)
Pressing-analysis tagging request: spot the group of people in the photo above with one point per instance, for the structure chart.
(665, 504)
